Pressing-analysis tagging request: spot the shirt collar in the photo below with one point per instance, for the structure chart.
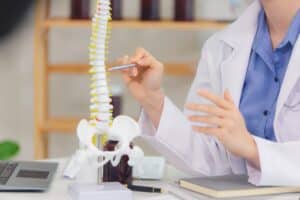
(262, 38)
(294, 30)
(264, 34)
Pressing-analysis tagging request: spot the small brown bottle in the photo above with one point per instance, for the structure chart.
(117, 100)
(80, 9)
(150, 9)
(184, 10)
(122, 172)
(116, 12)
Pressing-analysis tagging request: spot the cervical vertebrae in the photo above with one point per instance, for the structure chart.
(122, 129)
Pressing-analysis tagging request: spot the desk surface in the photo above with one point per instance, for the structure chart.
(59, 190)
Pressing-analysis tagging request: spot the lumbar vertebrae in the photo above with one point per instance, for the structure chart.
(122, 129)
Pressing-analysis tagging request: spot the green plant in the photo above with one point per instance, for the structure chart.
(8, 149)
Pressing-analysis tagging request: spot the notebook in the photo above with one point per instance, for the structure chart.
(231, 186)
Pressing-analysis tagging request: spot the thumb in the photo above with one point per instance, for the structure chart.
(228, 97)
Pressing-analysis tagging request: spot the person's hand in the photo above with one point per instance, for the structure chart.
(144, 82)
(226, 123)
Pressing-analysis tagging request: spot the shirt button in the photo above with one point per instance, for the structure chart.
(266, 113)
(276, 79)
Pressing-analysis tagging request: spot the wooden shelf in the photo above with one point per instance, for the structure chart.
(173, 69)
(137, 24)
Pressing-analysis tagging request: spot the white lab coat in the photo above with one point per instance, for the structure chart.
(223, 65)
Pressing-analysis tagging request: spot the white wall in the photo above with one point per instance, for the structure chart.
(66, 45)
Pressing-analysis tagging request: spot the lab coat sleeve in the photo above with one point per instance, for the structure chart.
(280, 164)
(191, 152)
(167, 140)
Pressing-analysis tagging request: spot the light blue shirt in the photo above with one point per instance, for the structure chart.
(264, 77)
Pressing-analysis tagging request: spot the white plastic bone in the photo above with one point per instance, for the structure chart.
(122, 129)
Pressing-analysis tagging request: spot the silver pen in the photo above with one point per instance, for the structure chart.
(121, 67)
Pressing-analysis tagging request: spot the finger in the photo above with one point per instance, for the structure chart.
(228, 97)
(120, 61)
(133, 72)
(125, 73)
(141, 50)
(219, 101)
(139, 54)
(211, 120)
(144, 59)
(123, 60)
(126, 77)
(146, 62)
(208, 109)
(217, 132)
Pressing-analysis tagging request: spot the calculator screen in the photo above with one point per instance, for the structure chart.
(33, 174)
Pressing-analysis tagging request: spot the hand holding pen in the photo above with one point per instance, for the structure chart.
(144, 81)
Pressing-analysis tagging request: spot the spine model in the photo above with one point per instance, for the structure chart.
(122, 129)
(100, 108)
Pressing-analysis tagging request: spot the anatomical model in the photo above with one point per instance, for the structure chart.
(122, 129)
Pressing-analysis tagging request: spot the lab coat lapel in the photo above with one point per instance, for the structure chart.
(239, 38)
(238, 41)
(234, 69)
(291, 77)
